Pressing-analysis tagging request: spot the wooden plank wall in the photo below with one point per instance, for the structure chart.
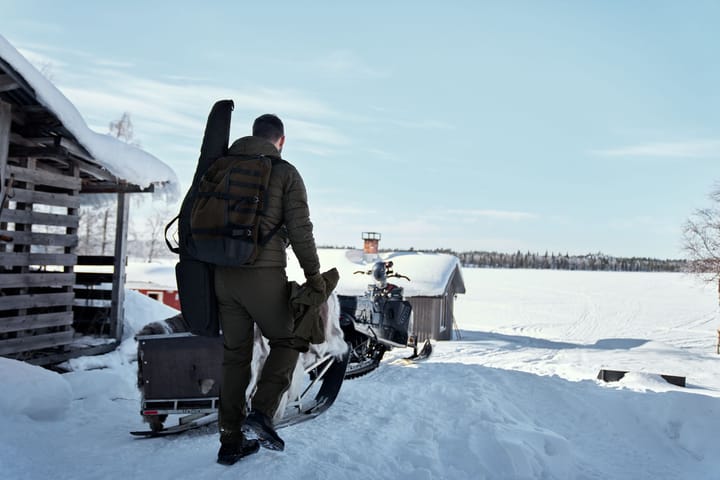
(426, 316)
(38, 225)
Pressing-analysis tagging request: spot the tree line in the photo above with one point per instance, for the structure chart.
(553, 261)
(558, 261)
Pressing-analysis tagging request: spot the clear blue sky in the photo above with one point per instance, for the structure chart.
(561, 125)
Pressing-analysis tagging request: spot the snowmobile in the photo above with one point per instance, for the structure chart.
(378, 321)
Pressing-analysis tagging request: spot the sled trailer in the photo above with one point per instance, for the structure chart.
(181, 373)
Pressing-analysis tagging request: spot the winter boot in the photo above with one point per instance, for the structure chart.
(233, 448)
(261, 425)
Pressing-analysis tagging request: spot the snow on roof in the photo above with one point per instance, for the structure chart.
(429, 272)
(125, 161)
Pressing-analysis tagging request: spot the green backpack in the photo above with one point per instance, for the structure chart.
(226, 212)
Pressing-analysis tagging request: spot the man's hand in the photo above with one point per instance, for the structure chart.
(316, 282)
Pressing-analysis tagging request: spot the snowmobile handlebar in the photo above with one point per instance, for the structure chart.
(388, 273)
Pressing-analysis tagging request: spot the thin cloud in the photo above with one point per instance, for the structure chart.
(312, 132)
(314, 150)
(345, 210)
(44, 49)
(171, 107)
(113, 63)
(420, 124)
(475, 214)
(387, 156)
(687, 149)
(40, 60)
(345, 62)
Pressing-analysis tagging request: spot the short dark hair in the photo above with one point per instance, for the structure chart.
(269, 127)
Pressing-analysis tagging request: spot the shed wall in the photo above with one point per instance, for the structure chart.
(39, 224)
(428, 313)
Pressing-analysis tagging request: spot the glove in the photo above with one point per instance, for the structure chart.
(316, 282)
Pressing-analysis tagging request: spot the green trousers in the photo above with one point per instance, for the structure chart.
(248, 296)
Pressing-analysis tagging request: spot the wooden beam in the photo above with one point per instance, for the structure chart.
(73, 352)
(35, 342)
(10, 71)
(37, 238)
(39, 279)
(28, 217)
(38, 114)
(95, 171)
(7, 83)
(114, 188)
(40, 177)
(76, 149)
(17, 139)
(46, 198)
(30, 322)
(23, 259)
(117, 310)
(19, 151)
(33, 300)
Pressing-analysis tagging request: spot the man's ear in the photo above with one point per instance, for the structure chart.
(280, 143)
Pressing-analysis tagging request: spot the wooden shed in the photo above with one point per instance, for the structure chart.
(435, 281)
(50, 160)
(433, 315)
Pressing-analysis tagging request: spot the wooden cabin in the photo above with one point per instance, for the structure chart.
(54, 304)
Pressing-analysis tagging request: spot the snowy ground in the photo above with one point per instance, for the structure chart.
(515, 398)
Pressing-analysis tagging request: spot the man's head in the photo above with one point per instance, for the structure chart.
(271, 128)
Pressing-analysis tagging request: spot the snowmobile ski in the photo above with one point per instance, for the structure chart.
(186, 423)
(331, 372)
(423, 354)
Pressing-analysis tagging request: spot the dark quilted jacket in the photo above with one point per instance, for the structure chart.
(287, 203)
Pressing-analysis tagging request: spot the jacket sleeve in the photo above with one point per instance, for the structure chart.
(297, 222)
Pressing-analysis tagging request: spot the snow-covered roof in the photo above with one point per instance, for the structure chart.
(125, 161)
(429, 273)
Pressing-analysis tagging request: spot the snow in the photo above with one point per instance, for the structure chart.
(516, 398)
(36, 393)
(121, 159)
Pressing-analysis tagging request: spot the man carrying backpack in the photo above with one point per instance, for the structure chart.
(258, 294)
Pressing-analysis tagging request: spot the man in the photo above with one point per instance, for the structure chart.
(258, 294)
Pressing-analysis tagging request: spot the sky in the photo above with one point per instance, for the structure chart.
(560, 126)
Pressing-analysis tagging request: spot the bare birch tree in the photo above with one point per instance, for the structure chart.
(701, 240)
(156, 227)
(122, 129)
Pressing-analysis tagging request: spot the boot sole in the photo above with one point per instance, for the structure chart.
(266, 441)
(233, 459)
